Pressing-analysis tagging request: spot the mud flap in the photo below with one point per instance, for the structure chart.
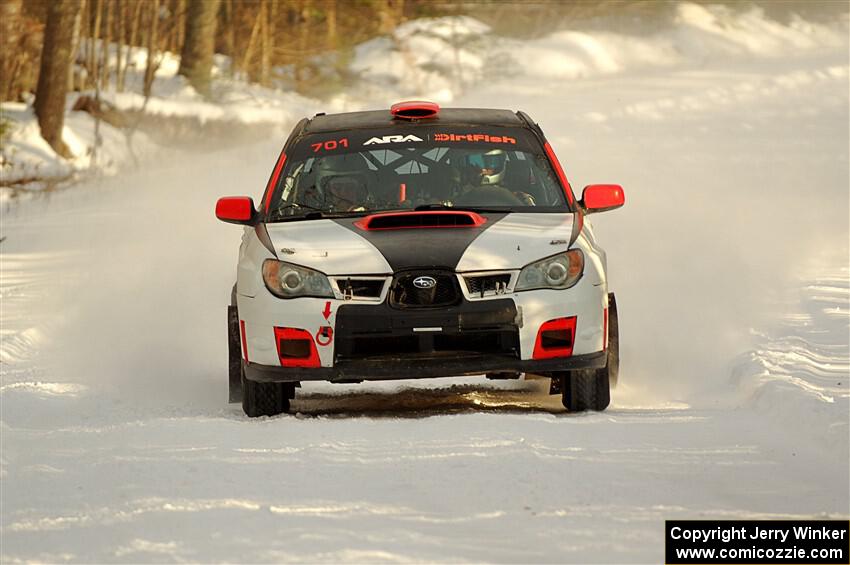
(234, 356)
(613, 366)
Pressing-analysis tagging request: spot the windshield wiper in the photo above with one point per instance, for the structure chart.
(425, 207)
(312, 214)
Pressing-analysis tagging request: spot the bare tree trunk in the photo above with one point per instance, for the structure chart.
(103, 70)
(120, 36)
(330, 20)
(91, 62)
(10, 35)
(153, 37)
(303, 36)
(265, 44)
(252, 42)
(134, 30)
(197, 53)
(53, 74)
(180, 24)
(75, 81)
(88, 7)
(390, 14)
(171, 36)
(230, 35)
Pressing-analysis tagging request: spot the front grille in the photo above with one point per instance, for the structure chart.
(405, 294)
(502, 342)
(482, 285)
(382, 331)
(353, 288)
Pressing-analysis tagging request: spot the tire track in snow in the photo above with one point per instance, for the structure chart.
(747, 90)
(810, 350)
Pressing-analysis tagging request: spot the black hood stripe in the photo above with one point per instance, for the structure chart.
(430, 248)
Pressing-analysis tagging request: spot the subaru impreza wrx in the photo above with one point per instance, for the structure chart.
(420, 242)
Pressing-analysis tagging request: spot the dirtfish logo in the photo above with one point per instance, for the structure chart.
(392, 139)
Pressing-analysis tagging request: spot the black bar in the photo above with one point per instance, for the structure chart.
(420, 367)
(822, 542)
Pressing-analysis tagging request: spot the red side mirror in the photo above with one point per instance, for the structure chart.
(602, 197)
(235, 210)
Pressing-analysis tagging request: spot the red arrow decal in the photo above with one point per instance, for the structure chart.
(327, 311)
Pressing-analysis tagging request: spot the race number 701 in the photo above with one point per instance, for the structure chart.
(329, 145)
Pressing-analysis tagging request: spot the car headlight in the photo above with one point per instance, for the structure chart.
(286, 280)
(558, 271)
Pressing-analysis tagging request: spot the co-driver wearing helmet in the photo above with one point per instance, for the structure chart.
(340, 184)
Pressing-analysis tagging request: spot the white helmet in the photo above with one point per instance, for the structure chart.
(490, 166)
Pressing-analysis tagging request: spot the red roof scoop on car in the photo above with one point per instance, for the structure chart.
(414, 110)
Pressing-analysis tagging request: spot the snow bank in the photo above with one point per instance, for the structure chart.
(440, 58)
(434, 58)
(231, 100)
(29, 163)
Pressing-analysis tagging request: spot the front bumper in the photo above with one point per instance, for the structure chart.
(419, 367)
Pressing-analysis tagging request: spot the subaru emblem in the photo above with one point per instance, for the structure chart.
(424, 282)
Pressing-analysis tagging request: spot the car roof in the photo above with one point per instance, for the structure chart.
(383, 118)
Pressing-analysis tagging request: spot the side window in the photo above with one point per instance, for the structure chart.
(552, 193)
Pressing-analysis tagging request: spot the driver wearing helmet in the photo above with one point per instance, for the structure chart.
(484, 173)
(486, 168)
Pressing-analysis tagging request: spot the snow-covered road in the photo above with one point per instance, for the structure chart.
(729, 262)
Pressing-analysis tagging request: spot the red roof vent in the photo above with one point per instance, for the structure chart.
(424, 219)
(414, 110)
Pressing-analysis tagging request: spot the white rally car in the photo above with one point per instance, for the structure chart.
(420, 242)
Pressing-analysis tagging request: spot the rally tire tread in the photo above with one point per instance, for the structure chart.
(586, 389)
(602, 390)
(264, 399)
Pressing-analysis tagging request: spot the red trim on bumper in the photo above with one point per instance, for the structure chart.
(295, 334)
(559, 325)
(244, 340)
(605, 329)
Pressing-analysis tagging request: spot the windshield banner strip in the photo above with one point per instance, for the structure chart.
(412, 136)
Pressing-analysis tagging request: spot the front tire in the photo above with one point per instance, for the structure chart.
(590, 389)
(585, 389)
(265, 399)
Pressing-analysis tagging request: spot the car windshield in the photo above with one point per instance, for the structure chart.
(368, 171)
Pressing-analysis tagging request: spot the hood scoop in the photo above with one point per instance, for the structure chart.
(424, 219)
